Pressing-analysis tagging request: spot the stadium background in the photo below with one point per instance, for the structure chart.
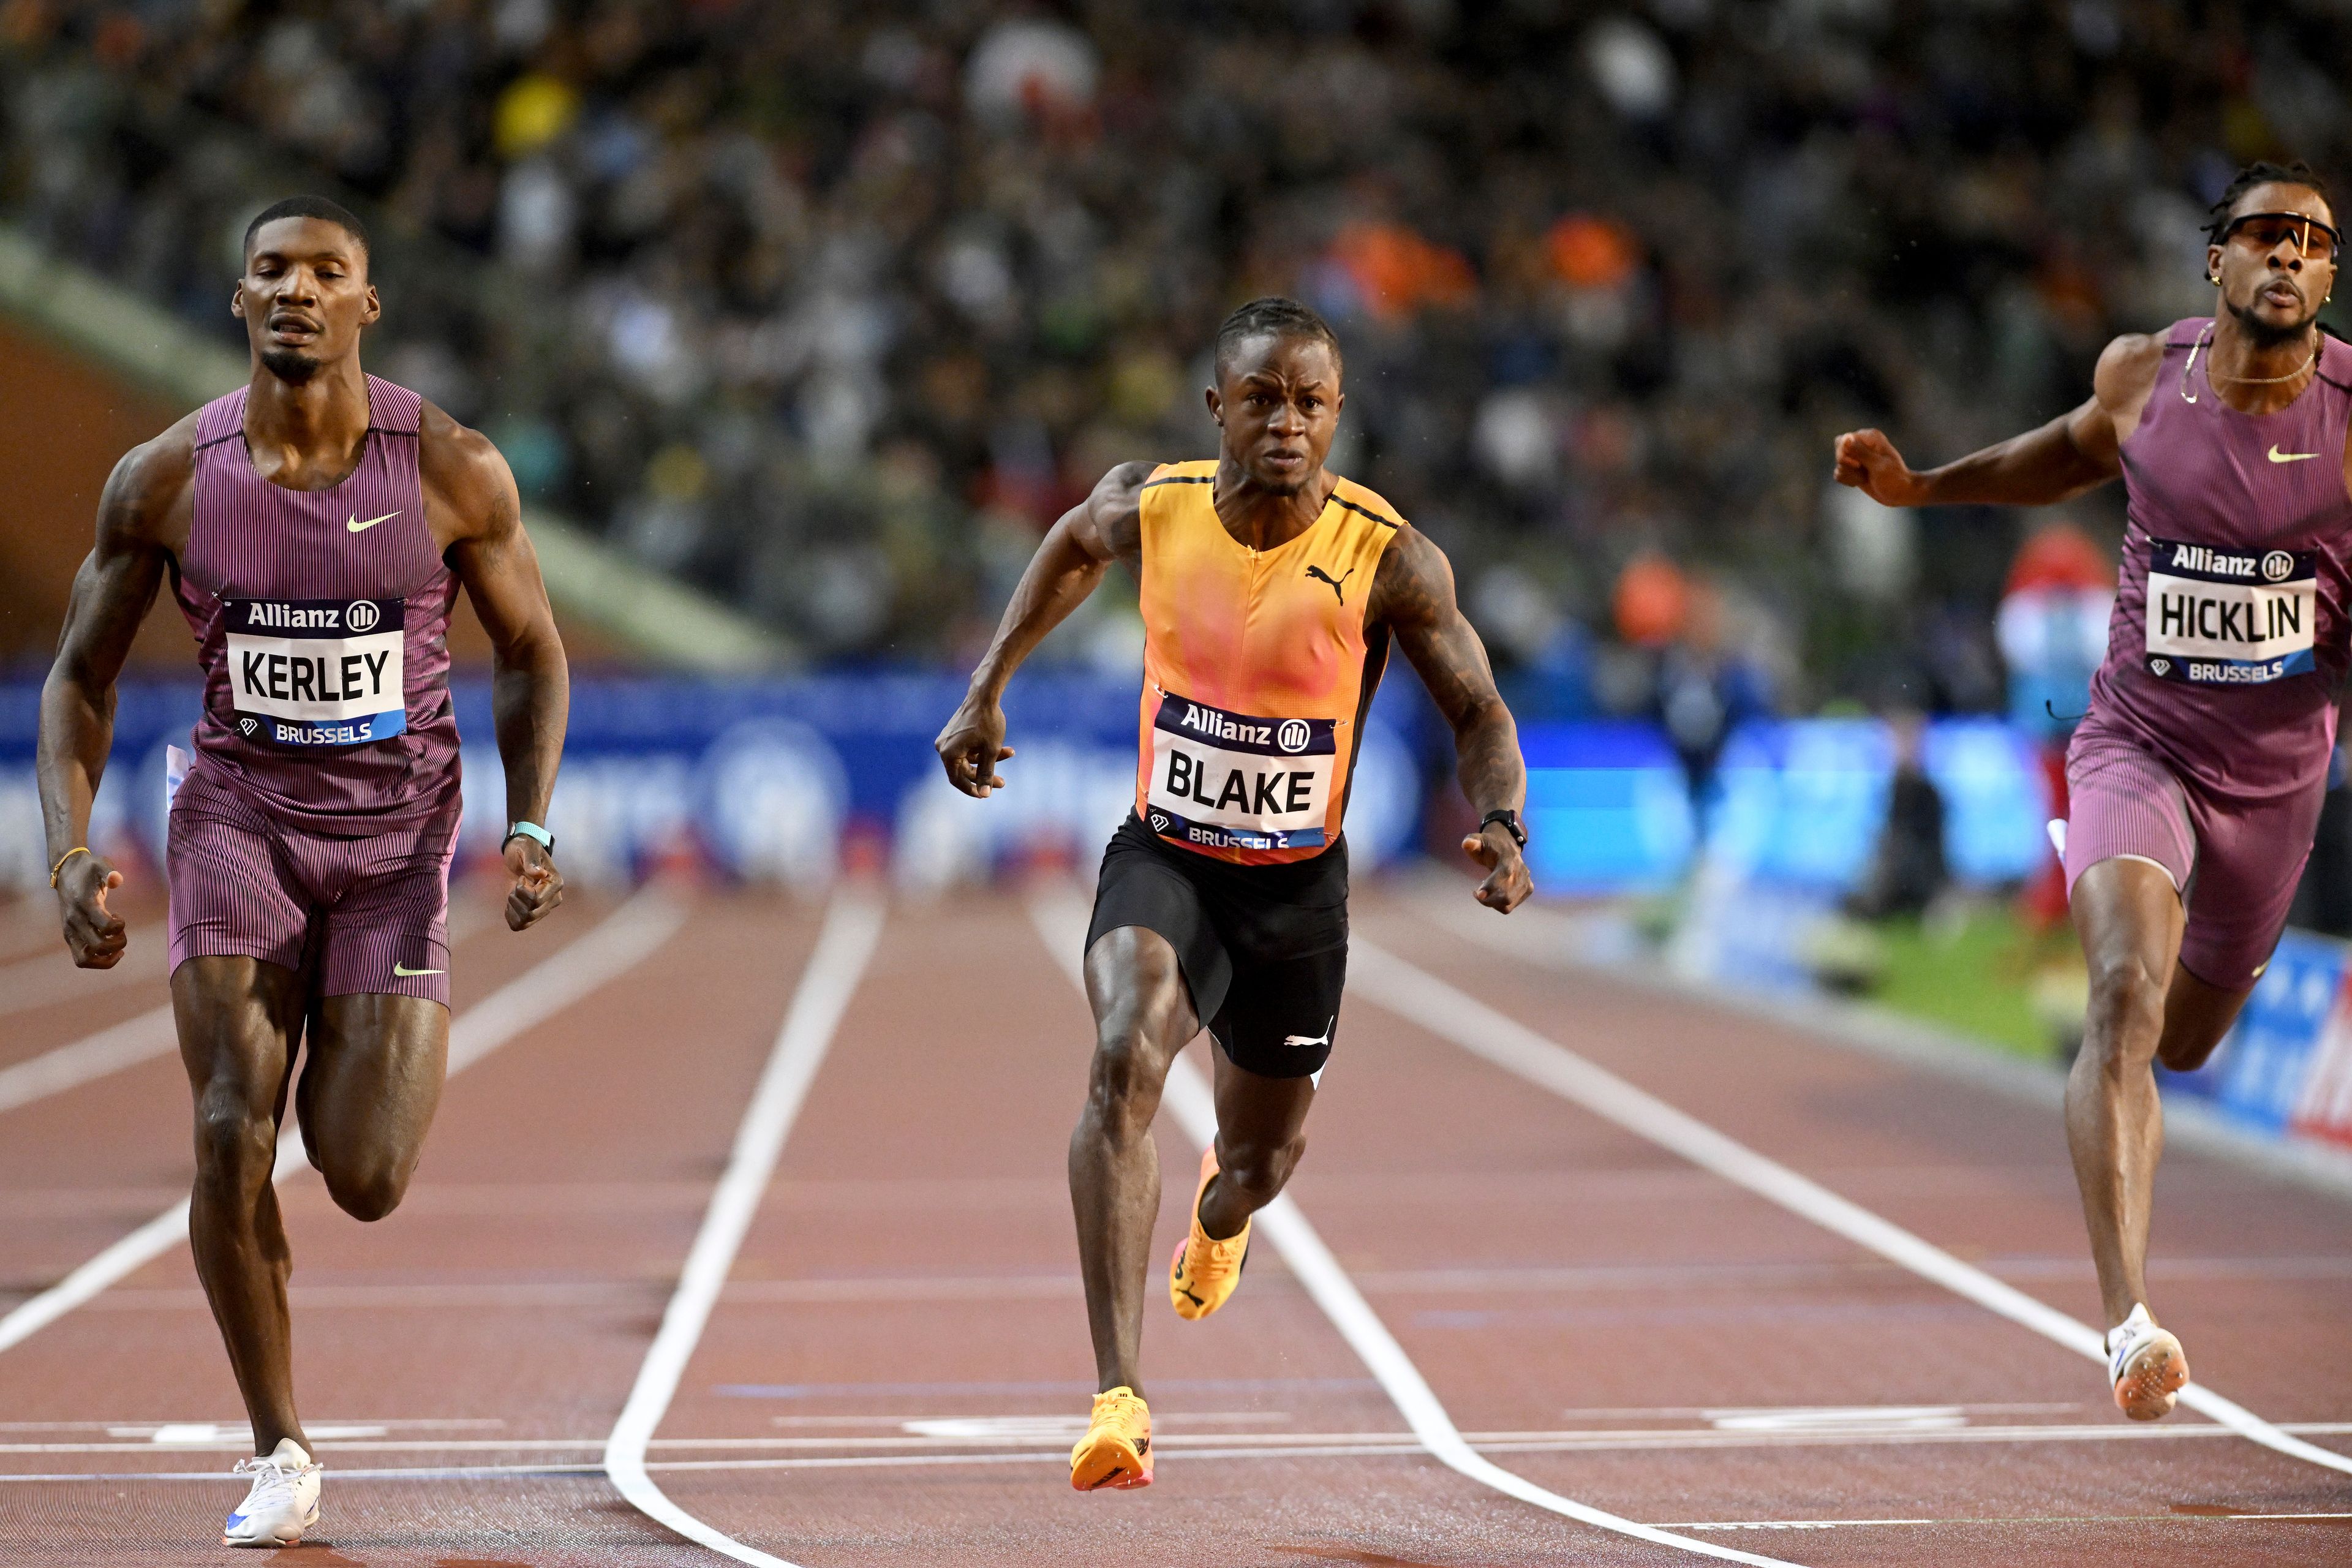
(798, 323)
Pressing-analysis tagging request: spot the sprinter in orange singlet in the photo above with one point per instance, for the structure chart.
(1271, 593)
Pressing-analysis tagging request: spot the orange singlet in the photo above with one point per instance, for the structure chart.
(1257, 671)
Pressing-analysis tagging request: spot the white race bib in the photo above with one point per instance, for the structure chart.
(1233, 780)
(317, 672)
(2221, 617)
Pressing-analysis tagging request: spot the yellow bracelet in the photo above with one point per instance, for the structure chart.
(58, 869)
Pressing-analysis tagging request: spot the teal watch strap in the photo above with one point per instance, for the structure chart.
(531, 830)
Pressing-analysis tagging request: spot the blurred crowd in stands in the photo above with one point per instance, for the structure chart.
(830, 306)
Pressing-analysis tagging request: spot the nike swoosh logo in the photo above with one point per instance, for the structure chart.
(356, 526)
(405, 972)
(2279, 456)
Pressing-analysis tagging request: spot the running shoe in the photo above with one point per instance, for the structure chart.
(1116, 1452)
(2146, 1365)
(1203, 1271)
(283, 1503)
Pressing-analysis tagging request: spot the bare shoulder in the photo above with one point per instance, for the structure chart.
(1414, 584)
(1114, 510)
(150, 488)
(466, 478)
(2127, 370)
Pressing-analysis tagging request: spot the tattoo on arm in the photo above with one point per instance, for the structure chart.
(1413, 595)
(1069, 565)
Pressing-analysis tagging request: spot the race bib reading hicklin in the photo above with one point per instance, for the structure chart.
(2222, 618)
(1237, 781)
(317, 672)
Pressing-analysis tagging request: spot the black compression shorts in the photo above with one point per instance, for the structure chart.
(1264, 948)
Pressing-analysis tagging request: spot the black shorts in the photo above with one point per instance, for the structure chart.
(1264, 948)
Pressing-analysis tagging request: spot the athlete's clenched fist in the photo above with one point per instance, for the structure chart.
(1868, 461)
(1507, 883)
(972, 745)
(94, 934)
(537, 886)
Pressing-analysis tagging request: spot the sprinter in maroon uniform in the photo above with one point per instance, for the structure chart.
(315, 525)
(2194, 783)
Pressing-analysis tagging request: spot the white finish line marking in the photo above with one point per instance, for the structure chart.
(1453, 1014)
(626, 937)
(1061, 921)
(852, 924)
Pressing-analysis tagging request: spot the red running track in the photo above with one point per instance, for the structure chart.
(897, 1365)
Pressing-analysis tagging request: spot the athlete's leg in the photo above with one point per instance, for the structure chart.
(1261, 1125)
(2129, 917)
(368, 1092)
(2196, 1015)
(1143, 1016)
(239, 1020)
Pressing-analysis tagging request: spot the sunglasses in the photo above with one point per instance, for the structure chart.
(2315, 240)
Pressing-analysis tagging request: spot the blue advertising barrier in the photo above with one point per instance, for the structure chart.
(1795, 802)
(765, 780)
(2262, 1070)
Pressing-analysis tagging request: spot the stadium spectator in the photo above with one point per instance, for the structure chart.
(822, 305)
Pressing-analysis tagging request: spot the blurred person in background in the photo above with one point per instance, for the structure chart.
(2211, 725)
(749, 255)
(315, 526)
(2053, 631)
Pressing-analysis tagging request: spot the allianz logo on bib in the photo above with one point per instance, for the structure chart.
(307, 672)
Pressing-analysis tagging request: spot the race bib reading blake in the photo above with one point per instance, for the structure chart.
(317, 672)
(1233, 780)
(2220, 617)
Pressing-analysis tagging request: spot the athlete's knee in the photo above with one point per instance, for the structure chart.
(2124, 1016)
(1260, 1170)
(367, 1188)
(1124, 1082)
(235, 1144)
(2186, 1053)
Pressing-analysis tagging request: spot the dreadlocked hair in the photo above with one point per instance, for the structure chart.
(1283, 318)
(2263, 173)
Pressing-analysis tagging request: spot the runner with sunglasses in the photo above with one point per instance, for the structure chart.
(2195, 780)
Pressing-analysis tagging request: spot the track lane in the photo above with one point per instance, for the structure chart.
(921, 1218)
(1895, 1139)
(491, 1327)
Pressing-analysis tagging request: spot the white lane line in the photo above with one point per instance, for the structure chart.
(853, 925)
(1453, 1014)
(625, 938)
(134, 1040)
(110, 1050)
(1061, 921)
(47, 977)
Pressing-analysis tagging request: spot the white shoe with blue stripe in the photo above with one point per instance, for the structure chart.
(283, 1502)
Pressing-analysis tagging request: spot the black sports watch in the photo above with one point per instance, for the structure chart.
(1510, 821)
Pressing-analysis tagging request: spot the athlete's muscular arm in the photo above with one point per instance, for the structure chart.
(142, 522)
(1413, 595)
(2077, 451)
(477, 518)
(1107, 526)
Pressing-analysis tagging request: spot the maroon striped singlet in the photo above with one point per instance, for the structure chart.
(2229, 637)
(321, 620)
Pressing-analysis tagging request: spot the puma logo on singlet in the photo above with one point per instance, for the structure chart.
(2278, 457)
(1338, 583)
(356, 526)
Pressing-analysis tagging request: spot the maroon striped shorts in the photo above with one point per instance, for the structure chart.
(356, 915)
(2235, 861)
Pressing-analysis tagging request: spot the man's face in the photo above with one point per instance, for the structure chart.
(305, 295)
(1278, 402)
(2275, 276)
